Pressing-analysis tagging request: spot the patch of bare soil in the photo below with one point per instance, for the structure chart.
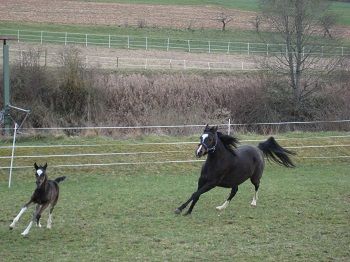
(89, 13)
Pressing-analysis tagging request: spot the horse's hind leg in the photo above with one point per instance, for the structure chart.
(232, 194)
(49, 220)
(255, 197)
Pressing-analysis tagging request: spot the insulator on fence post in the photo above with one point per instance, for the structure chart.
(229, 126)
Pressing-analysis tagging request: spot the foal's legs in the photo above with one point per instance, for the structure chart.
(36, 218)
(15, 220)
(49, 220)
(232, 194)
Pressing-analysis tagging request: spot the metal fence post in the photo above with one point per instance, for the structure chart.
(167, 47)
(228, 47)
(17, 36)
(146, 43)
(189, 46)
(209, 46)
(86, 40)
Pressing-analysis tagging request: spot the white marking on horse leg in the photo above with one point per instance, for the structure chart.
(25, 232)
(49, 221)
(15, 220)
(223, 206)
(255, 197)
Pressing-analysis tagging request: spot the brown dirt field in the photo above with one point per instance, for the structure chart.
(90, 13)
(75, 12)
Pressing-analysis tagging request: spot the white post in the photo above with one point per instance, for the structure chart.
(229, 126)
(13, 152)
(146, 64)
(228, 47)
(209, 46)
(248, 48)
(209, 65)
(86, 40)
(242, 66)
(267, 49)
(322, 50)
(167, 47)
(128, 42)
(189, 46)
(65, 39)
(41, 37)
(146, 43)
(17, 36)
(342, 51)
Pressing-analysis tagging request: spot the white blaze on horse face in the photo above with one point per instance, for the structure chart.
(39, 172)
(199, 149)
(204, 136)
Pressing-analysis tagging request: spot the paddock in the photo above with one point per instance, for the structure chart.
(120, 206)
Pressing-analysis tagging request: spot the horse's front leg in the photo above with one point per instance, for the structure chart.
(194, 198)
(36, 218)
(23, 209)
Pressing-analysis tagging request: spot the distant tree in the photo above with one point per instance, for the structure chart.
(224, 19)
(298, 25)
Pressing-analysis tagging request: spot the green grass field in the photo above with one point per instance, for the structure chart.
(124, 213)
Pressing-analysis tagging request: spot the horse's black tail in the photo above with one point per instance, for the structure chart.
(59, 179)
(273, 151)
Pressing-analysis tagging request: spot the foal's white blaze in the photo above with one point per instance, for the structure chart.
(39, 172)
(15, 220)
(223, 206)
(255, 197)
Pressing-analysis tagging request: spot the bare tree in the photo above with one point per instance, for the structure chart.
(224, 19)
(297, 24)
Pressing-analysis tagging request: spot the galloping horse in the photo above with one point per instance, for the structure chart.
(229, 166)
(46, 194)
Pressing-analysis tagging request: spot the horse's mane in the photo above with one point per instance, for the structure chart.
(230, 142)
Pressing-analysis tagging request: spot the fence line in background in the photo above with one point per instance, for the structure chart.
(166, 44)
(92, 61)
(168, 143)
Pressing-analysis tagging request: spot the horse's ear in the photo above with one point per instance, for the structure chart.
(206, 127)
(45, 166)
(36, 166)
(214, 129)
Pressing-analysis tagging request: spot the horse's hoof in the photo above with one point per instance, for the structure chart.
(177, 211)
(187, 214)
(10, 228)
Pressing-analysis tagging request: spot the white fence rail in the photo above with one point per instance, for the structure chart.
(329, 147)
(166, 44)
(91, 61)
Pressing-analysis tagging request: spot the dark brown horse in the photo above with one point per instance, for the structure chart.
(46, 194)
(229, 166)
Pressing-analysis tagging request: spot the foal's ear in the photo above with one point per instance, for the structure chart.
(214, 129)
(206, 127)
(45, 166)
(36, 166)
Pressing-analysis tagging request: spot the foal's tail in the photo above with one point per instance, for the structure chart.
(276, 153)
(59, 179)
